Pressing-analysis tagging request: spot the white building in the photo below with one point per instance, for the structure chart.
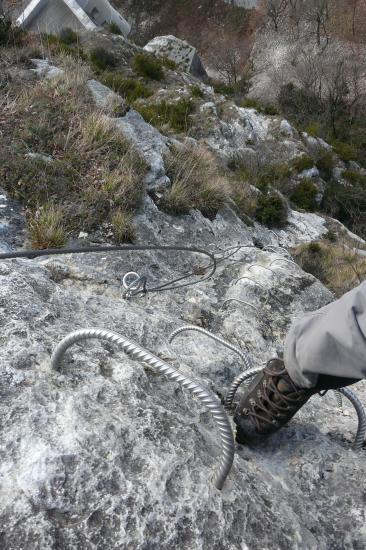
(53, 15)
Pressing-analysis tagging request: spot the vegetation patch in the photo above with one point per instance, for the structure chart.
(79, 162)
(301, 163)
(102, 59)
(148, 66)
(335, 265)
(251, 103)
(304, 196)
(325, 165)
(347, 203)
(271, 210)
(196, 92)
(130, 88)
(196, 183)
(9, 34)
(176, 115)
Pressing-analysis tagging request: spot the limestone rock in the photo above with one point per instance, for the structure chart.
(109, 102)
(179, 51)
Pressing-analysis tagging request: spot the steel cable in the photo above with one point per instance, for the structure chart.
(206, 397)
(244, 356)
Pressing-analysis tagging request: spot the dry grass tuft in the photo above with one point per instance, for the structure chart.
(46, 227)
(336, 265)
(122, 226)
(196, 182)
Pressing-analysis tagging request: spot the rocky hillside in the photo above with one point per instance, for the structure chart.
(103, 145)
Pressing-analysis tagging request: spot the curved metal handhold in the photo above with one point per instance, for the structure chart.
(283, 260)
(240, 302)
(237, 383)
(206, 397)
(275, 248)
(259, 284)
(361, 430)
(262, 266)
(245, 358)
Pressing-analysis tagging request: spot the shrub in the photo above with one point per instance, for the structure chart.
(9, 35)
(347, 203)
(354, 177)
(122, 226)
(147, 66)
(330, 236)
(168, 63)
(114, 29)
(276, 175)
(129, 88)
(304, 196)
(299, 105)
(174, 114)
(304, 162)
(251, 103)
(271, 210)
(240, 88)
(195, 183)
(46, 227)
(345, 151)
(313, 129)
(325, 165)
(196, 91)
(68, 36)
(102, 59)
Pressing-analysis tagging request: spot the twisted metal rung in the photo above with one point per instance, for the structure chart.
(244, 356)
(271, 270)
(237, 382)
(283, 260)
(208, 399)
(338, 397)
(240, 302)
(361, 429)
(275, 248)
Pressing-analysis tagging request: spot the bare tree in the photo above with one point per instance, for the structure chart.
(318, 12)
(275, 10)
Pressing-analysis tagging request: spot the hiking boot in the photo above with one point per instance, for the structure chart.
(270, 402)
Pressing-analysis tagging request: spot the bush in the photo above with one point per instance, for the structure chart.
(345, 151)
(114, 29)
(102, 59)
(271, 210)
(195, 183)
(313, 129)
(354, 177)
(347, 203)
(276, 175)
(68, 37)
(251, 103)
(174, 114)
(168, 63)
(325, 165)
(239, 88)
(304, 196)
(9, 35)
(196, 91)
(147, 66)
(304, 162)
(299, 105)
(46, 227)
(127, 87)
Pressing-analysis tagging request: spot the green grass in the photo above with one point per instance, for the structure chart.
(176, 115)
(304, 196)
(102, 59)
(196, 91)
(130, 88)
(301, 163)
(148, 66)
(271, 210)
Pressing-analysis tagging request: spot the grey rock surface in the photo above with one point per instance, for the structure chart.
(183, 54)
(105, 454)
(109, 102)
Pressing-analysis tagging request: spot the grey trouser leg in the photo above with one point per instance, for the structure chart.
(329, 341)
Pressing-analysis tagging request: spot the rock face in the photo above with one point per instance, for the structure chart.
(179, 51)
(105, 454)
